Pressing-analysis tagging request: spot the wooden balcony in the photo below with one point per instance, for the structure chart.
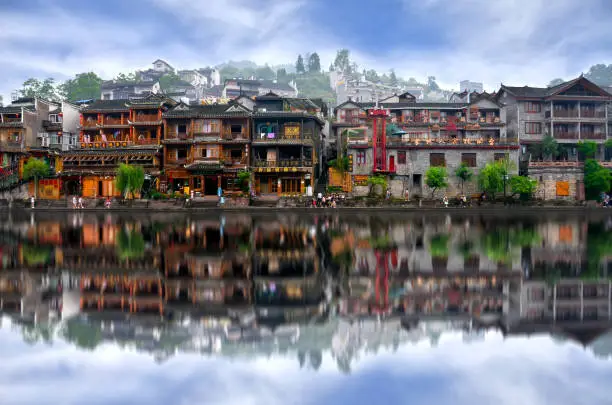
(99, 144)
(592, 114)
(565, 135)
(593, 135)
(283, 163)
(235, 137)
(229, 161)
(141, 118)
(113, 121)
(573, 113)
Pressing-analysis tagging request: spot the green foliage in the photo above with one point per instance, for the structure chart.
(371, 75)
(315, 85)
(314, 63)
(299, 65)
(244, 177)
(466, 249)
(35, 255)
(588, 149)
(35, 168)
(550, 147)
(265, 72)
(381, 242)
(83, 334)
(438, 246)
(555, 82)
(608, 143)
(436, 178)
(377, 180)
(597, 179)
(169, 80)
(499, 243)
(84, 86)
(334, 189)
(491, 177)
(523, 186)
(342, 62)
(341, 164)
(43, 89)
(598, 246)
(393, 78)
(130, 244)
(129, 179)
(464, 173)
(126, 78)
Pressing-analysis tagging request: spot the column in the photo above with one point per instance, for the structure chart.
(581, 300)
(552, 115)
(579, 112)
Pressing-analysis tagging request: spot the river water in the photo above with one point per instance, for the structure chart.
(305, 309)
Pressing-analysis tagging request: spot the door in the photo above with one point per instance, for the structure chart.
(392, 164)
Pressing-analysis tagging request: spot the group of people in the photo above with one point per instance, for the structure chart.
(330, 201)
(77, 202)
(606, 201)
(462, 201)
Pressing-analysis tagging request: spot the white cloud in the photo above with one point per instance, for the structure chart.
(533, 371)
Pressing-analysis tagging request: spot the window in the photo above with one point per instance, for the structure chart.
(401, 157)
(533, 128)
(361, 157)
(197, 182)
(291, 185)
(532, 107)
(437, 159)
(210, 126)
(236, 128)
(499, 156)
(181, 154)
(210, 153)
(182, 129)
(469, 159)
(416, 180)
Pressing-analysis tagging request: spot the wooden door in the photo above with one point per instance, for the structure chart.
(392, 163)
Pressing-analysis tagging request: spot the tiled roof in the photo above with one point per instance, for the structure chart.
(415, 106)
(11, 124)
(10, 110)
(107, 105)
(541, 92)
(302, 103)
(204, 111)
(286, 114)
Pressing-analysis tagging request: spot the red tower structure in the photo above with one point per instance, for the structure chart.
(381, 286)
(378, 117)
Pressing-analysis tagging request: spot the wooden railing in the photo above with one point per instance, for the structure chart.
(566, 113)
(592, 114)
(565, 135)
(229, 161)
(113, 121)
(283, 163)
(592, 135)
(235, 136)
(146, 118)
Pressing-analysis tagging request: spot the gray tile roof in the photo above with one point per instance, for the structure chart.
(204, 111)
(107, 105)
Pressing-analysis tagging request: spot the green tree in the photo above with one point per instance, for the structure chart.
(43, 89)
(35, 168)
(392, 78)
(314, 63)
(588, 149)
(299, 65)
(431, 84)
(436, 178)
(438, 246)
(129, 180)
(244, 177)
(84, 86)
(523, 186)
(464, 173)
(167, 81)
(130, 244)
(597, 179)
(265, 73)
(281, 75)
(555, 82)
(375, 181)
(493, 177)
(127, 78)
(371, 75)
(600, 74)
(342, 61)
(550, 147)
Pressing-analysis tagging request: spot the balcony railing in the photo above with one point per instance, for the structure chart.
(171, 135)
(592, 135)
(235, 136)
(117, 144)
(283, 163)
(230, 161)
(565, 114)
(113, 121)
(592, 114)
(566, 135)
(7, 120)
(146, 118)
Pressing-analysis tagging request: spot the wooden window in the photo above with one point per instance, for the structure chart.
(532, 107)
(469, 159)
(565, 233)
(563, 189)
(361, 157)
(499, 156)
(291, 185)
(533, 128)
(401, 157)
(210, 126)
(437, 159)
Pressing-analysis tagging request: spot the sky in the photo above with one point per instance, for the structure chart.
(529, 371)
(517, 42)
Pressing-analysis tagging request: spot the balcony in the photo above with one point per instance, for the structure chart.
(569, 113)
(283, 163)
(592, 114)
(109, 122)
(283, 136)
(117, 144)
(566, 135)
(146, 118)
(593, 135)
(235, 137)
(235, 161)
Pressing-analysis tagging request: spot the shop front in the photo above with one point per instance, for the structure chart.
(205, 183)
(286, 182)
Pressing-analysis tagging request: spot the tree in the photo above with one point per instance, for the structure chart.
(523, 186)
(130, 244)
(375, 181)
(392, 78)
(281, 75)
(555, 82)
(129, 180)
(371, 75)
(167, 81)
(588, 149)
(36, 168)
(490, 178)
(265, 73)
(550, 147)
(438, 245)
(84, 86)
(435, 178)
(43, 89)
(128, 78)
(331, 67)
(464, 173)
(597, 179)
(299, 65)
(431, 84)
(314, 63)
(600, 74)
(342, 62)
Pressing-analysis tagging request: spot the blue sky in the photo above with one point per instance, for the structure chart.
(530, 371)
(511, 41)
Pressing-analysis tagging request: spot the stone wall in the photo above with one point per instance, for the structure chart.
(548, 179)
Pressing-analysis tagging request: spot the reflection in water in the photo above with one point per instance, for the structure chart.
(305, 285)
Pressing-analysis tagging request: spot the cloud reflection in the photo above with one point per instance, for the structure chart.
(534, 371)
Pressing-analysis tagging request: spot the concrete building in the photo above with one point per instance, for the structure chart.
(253, 87)
(466, 85)
(570, 112)
(411, 137)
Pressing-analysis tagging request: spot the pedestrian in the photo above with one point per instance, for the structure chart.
(319, 199)
(74, 201)
(80, 205)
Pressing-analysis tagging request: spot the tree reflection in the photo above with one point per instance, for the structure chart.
(130, 244)
(499, 243)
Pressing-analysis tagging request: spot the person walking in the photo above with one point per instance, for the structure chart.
(80, 205)
(74, 202)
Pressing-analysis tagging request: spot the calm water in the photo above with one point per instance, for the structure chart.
(281, 309)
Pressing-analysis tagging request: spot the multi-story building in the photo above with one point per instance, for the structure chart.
(570, 112)
(205, 146)
(113, 132)
(253, 87)
(404, 138)
(469, 86)
(285, 145)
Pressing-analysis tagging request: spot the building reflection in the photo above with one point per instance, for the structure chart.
(243, 285)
